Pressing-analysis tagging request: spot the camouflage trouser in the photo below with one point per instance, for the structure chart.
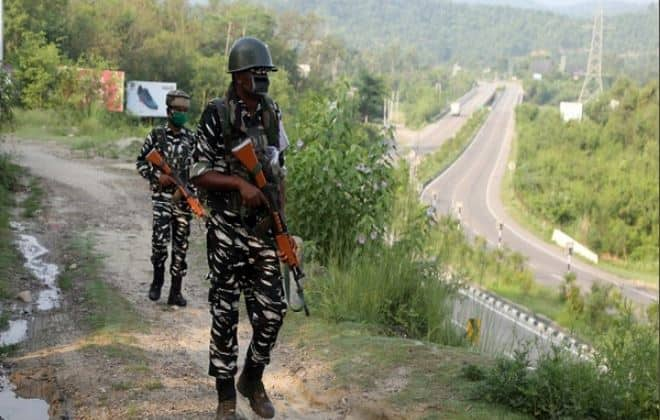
(241, 262)
(170, 220)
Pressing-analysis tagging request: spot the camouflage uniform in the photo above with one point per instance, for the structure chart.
(239, 259)
(169, 218)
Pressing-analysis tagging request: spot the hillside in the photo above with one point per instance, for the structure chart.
(443, 31)
(615, 153)
(584, 8)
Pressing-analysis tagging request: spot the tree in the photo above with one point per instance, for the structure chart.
(371, 91)
(37, 69)
(6, 100)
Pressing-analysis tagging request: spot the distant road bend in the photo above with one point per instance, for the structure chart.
(437, 133)
(473, 183)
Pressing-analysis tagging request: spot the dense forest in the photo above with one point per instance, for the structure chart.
(406, 33)
(597, 179)
(175, 41)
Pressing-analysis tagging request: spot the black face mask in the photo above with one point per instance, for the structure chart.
(260, 84)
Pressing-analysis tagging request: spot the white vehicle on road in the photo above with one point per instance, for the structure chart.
(455, 109)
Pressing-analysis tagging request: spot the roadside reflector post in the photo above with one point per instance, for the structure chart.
(459, 213)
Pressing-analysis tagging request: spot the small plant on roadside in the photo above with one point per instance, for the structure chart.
(472, 372)
(602, 306)
(570, 294)
(620, 383)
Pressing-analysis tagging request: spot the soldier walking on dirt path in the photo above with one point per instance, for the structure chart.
(241, 253)
(171, 214)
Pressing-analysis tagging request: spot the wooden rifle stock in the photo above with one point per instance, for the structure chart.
(157, 160)
(245, 153)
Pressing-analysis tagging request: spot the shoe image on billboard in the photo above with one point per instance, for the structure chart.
(145, 97)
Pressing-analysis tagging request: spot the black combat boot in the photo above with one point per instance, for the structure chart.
(176, 298)
(157, 283)
(251, 387)
(226, 399)
(226, 410)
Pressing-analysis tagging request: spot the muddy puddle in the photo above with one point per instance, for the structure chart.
(13, 407)
(33, 252)
(15, 334)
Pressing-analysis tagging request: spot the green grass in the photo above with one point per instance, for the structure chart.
(430, 375)
(540, 300)
(388, 288)
(6, 351)
(95, 134)
(32, 204)
(153, 385)
(133, 412)
(4, 320)
(108, 311)
(65, 281)
(122, 386)
(9, 177)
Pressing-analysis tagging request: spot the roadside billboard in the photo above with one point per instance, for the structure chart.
(147, 99)
(112, 84)
(93, 86)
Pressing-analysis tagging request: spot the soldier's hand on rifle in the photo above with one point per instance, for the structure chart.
(251, 195)
(165, 180)
(283, 256)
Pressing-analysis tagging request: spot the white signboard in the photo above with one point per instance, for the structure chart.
(147, 99)
(563, 240)
(537, 76)
(570, 111)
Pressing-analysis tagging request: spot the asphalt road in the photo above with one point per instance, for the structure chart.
(434, 135)
(470, 190)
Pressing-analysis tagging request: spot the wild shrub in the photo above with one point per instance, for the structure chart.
(394, 283)
(570, 294)
(340, 183)
(620, 383)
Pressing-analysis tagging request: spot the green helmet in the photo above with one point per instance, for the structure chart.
(248, 53)
(177, 98)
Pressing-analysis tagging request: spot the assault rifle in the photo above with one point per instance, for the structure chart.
(195, 205)
(245, 153)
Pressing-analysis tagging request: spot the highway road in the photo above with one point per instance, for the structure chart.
(473, 184)
(434, 135)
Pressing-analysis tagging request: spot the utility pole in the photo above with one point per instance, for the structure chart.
(2, 45)
(593, 80)
(227, 42)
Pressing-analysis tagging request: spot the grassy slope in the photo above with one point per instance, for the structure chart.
(433, 385)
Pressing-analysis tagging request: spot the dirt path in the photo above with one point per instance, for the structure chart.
(110, 200)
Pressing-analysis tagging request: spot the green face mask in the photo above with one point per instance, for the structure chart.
(179, 118)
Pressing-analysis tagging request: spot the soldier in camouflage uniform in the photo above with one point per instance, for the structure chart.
(242, 256)
(171, 215)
